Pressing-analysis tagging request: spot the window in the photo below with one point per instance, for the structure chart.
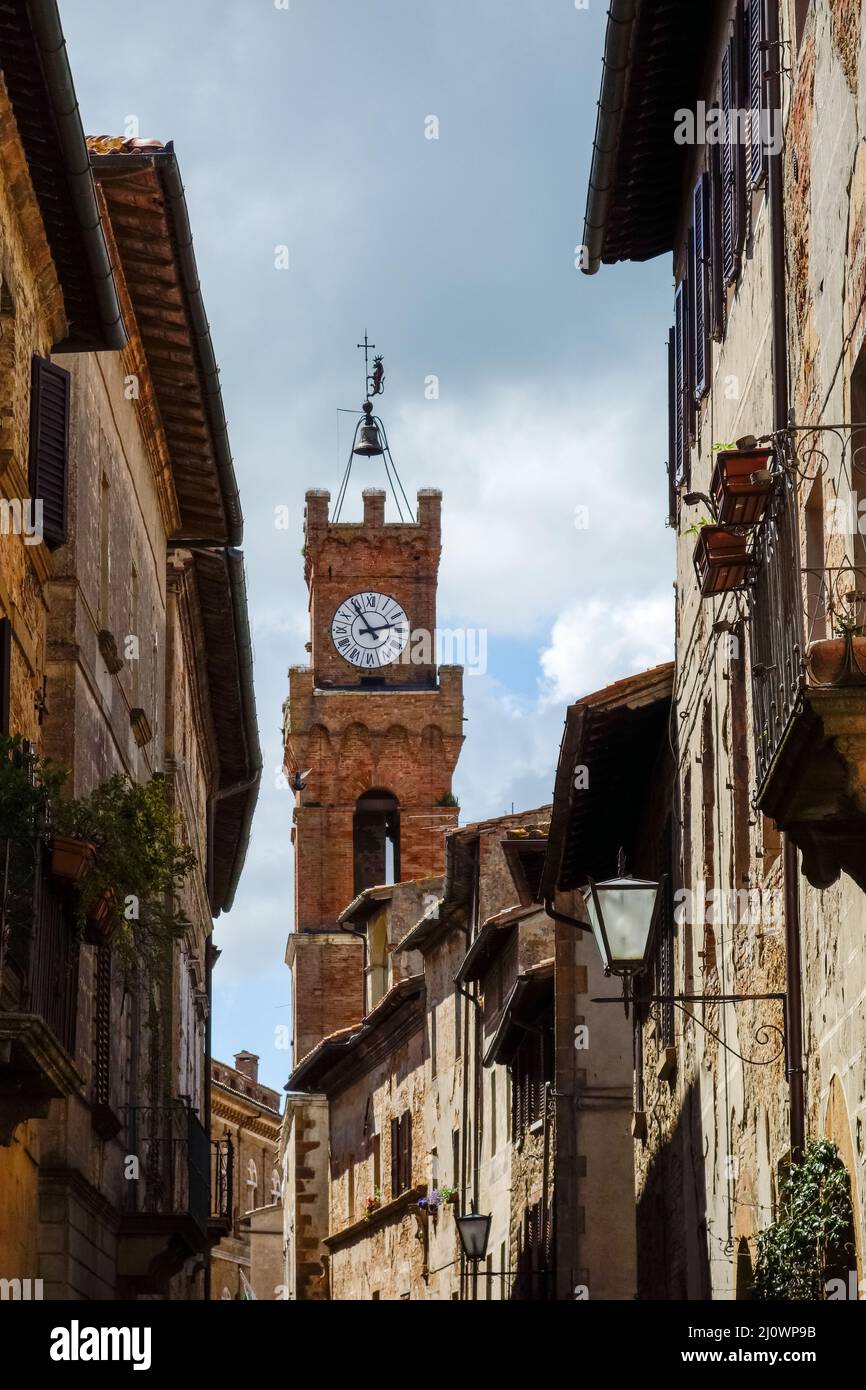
(531, 1067)
(401, 1154)
(104, 552)
(756, 62)
(733, 182)
(455, 1157)
(377, 1163)
(701, 246)
(276, 1190)
(801, 14)
(252, 1183)
(49, 446)
(493, 1112)
(102, 1028)
(433, 1042)
(376, 839)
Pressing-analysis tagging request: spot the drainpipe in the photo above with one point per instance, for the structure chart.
(793, 983)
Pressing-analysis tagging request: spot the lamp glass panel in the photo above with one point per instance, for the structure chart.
(628, 906)
(474, 1234)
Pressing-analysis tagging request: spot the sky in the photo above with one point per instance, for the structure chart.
(306, 125)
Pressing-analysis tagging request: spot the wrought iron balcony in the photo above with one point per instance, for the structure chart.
(179, 1200)
(39, 950)
(808, 653)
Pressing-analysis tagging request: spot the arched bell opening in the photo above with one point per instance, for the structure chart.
(376, 840)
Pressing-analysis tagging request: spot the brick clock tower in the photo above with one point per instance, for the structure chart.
(372, 732)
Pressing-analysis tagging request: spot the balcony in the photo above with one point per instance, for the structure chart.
(38, 987)
(221, 1188)
(168, 1214)
(809, 674)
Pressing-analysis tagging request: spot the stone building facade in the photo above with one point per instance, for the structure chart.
(465, 1083)
(245, 1122)
(136, 660)
(766, 367)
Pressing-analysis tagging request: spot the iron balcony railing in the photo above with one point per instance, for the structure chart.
(39, 946)
(810, 573)
(172, 1150)
(180, 1171)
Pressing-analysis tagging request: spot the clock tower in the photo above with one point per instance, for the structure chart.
(372, 730)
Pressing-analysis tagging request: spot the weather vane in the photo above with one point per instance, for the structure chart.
(375, 380)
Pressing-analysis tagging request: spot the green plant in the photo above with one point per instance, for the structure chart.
(698, 526)
(28, 786)
(726, 448)
(141, 863)
(799, 1252)
(449, 799)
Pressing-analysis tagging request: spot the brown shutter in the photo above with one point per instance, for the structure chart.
(755, 79)
(672, 428)
(406, 1152)
(395, 1158)
(700, 295)
(683, 408)
(49, 446)
(714, 251)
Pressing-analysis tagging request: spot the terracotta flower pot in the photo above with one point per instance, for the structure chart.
(100, 927)
(723, 560)
(837, 661)
(740, 501)
(70, 859)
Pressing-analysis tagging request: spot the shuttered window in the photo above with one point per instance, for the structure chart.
(49, 446)
(681, 382)
(714, 269)
(401, 1154)
(733, 182)
(700, 246)
(672, 427)
(755, 76)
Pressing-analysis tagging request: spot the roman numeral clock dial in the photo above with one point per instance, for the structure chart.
(370, 630)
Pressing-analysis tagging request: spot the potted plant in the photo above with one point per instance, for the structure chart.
(372, 1203)
(28, 785)
(741, 484)
(70, 858)
(128, 894)
(723, 558)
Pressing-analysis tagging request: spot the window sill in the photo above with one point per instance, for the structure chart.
(388, 1211)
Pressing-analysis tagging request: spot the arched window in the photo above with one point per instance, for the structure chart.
(252, 1182)
(276, 1190)
(376, 840)
(377, 958)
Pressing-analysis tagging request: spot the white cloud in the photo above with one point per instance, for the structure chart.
(595, 642)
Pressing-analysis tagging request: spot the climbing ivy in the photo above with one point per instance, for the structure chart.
(801, 1251)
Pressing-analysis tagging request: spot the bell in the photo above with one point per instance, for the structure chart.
(368, 443)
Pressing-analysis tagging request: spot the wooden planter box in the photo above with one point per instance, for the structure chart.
(70, 859)
(100, 927)
(723, 560)
(739, 501)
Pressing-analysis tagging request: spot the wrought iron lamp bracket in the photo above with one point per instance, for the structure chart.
(762, 1034)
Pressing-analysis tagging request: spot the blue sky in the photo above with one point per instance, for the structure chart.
(305, 127)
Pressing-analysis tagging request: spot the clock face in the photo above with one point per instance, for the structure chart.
(370, 629)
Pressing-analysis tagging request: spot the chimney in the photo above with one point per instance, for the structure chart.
(248, 1064)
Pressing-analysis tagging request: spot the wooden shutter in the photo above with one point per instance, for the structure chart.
(681, 335)
(49, 446)
(406, 1152)
(755, 79)
(395, 1158)
(700, 282)
(672, 427)
(733, 162)
(715, 279)
(5, 673)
